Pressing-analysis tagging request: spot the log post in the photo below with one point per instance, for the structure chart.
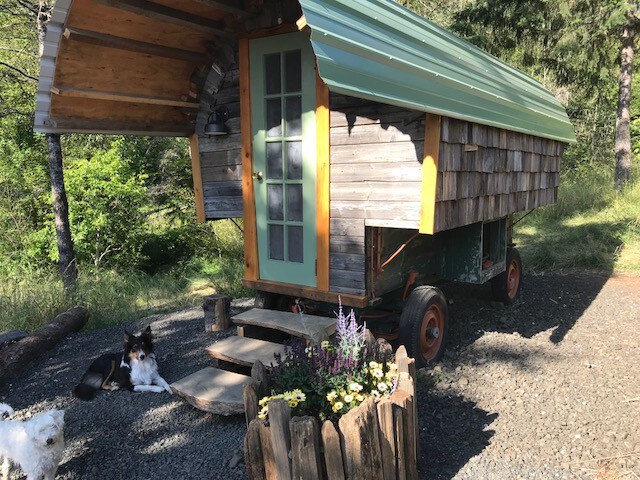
(253, 452)
(216, 312)
(250, 399)
(405, 401)
(333, 460)
(398, 433)
(279, 418)
(16, 356)
(387, 439)
(305, 448)
(261, 379)
(268, 458)
(360, 441)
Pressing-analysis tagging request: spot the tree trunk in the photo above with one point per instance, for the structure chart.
(623, 117)
(67, 262)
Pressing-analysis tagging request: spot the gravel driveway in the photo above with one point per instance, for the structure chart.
(547, 388)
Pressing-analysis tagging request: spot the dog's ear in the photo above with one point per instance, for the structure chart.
(58, 415)
(147, 332)
(127, 336)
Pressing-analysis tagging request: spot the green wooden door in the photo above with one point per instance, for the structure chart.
(283, 84)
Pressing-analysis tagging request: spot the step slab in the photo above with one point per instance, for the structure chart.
(310, 327)
(245, 351)
(213, 390)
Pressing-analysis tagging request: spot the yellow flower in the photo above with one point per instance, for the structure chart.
(348, 398)
(373, 364)
(332, 395)
(360, 398)
(325, 344)
(337, 406)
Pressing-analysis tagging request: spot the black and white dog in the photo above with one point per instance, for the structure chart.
(135, 369)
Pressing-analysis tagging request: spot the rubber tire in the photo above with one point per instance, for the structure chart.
(499, 284)
(419, 302)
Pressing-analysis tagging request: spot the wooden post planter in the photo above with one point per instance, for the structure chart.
(373, 440)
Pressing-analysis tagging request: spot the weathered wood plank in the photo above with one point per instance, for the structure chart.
(387, 439)
(353, 245)
(345, 278)
(332, 452)
(219, 157)
(268, 455)
(389, 211)
(363, 134)
(376, 172)
(250, 401)
(253, 456)
(376, 191)
(347, 261)
(347, 228)
(373, 113)
(222, 173)
(360, 442)
(405, 401)
(279, 418)
(305, 448)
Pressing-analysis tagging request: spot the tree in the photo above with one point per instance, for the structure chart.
(66, 255)
(623, 115)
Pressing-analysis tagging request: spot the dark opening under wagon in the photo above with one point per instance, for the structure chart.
(369, 152)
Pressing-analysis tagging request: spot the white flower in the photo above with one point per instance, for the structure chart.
(382, 386)
(355, 387)
(378, 373)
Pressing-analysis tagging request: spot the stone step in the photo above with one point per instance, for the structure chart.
(310, 327)
(245, 351)
(213, 390)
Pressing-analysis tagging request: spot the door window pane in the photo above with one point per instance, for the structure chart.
(293, 111)
(276, 242)
(294, 160)
(274, 117)
(294, 203)
(295, 244)
(274, 199)
(292, 72)
(274, 160)
(272, 73)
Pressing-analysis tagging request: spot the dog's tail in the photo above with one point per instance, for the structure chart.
(5, 411)
(88, 387)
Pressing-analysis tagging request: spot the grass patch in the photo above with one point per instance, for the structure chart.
(592, 227)
(117, 298)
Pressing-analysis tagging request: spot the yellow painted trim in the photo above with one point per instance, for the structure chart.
(198, 191)
(430, 174)
(248, 198)
(322, 184)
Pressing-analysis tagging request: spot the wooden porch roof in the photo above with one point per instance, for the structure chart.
(135, 66)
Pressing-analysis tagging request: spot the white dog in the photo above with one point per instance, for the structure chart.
(36, 444)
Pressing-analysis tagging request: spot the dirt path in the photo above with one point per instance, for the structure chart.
(547, 388)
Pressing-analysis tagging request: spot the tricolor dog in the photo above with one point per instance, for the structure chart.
(135, 369)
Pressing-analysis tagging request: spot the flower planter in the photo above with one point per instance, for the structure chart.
(375, 440)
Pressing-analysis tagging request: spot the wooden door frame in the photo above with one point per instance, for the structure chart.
(251, 266)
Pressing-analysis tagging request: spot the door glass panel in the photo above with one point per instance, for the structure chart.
(274, 199)
(272, 73)
(294, 203)
(276, 242)
(293, 116)
(274, 117)
(294, 160)
(274, 160)
(295, 244)
(292, 72)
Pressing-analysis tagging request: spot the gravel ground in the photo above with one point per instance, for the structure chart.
(547, 388)
(124, 435)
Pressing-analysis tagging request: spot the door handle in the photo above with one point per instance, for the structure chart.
(257, 176)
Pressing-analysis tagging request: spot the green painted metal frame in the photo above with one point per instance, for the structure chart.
(279, 270)
(379, 50)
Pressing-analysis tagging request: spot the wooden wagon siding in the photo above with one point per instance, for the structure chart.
(220, 159)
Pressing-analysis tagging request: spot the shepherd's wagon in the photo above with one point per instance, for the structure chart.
(369, 152)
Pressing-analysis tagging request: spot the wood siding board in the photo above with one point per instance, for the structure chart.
(347, 228)
(351, 245)
(395, 152)
(198, 190)
(363, 134)
(346, 278)
(352, 262)
(375, 191)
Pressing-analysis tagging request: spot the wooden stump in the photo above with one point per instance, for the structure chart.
(405, 402)
(216, 312)
(305, 449)
(387, 439)
(268, 458)
(261, 379)
(17, 355)
(250, 400)
(360, 442)
(11, 336)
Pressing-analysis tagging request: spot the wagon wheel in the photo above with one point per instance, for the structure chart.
(506, 286)
(424, 325)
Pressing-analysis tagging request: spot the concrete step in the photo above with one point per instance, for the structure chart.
(245, 351)
(310, 327)
(213, 390)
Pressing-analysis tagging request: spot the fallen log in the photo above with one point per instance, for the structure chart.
(16, 356)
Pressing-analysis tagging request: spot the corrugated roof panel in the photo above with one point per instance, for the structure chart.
(379, 50)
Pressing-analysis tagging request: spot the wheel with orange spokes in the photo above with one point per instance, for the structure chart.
(424, 325)
(506, 286)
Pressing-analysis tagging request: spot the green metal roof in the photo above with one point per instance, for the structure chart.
(379, 50)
